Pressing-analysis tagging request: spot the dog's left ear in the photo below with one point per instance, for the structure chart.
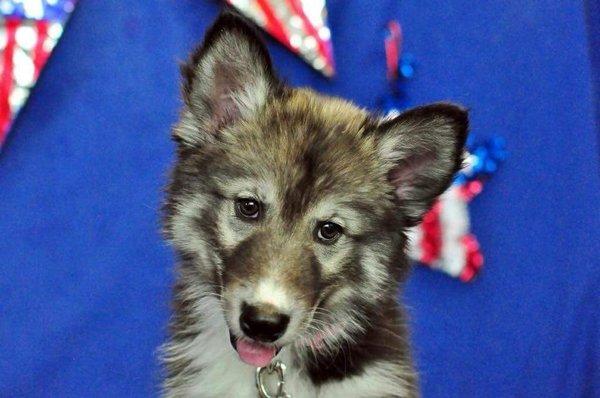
(423, 148)
(227, 79)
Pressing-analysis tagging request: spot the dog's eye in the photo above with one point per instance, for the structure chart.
(247, 208)
(328, 232)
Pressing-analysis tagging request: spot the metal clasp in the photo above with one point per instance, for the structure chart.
(276, 367)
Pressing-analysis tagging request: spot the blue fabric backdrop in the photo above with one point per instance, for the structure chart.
(84, 275)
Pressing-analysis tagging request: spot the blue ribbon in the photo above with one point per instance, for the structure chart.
(486, 158)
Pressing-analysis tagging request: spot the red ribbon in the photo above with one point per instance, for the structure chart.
(393, 48)
(431, 242)
(6, 81)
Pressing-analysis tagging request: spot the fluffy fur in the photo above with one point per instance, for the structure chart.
(307, 159)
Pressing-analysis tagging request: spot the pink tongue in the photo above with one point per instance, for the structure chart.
(254, 354)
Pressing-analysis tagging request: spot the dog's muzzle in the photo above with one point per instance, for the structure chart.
(262, 326)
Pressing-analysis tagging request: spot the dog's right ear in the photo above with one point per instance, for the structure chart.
(228, 78)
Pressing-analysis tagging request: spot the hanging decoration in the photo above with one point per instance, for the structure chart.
(300, 25)
(29, 30)
(443, 241)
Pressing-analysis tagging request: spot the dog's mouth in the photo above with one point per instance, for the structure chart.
(253, 352)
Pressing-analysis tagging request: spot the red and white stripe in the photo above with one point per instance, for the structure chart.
(13, 91)
(443, 240)
(300, 25)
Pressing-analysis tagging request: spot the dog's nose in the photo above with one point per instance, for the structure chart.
(263, 322)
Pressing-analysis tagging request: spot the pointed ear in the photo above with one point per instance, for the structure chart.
(229, 77)
(423, 148)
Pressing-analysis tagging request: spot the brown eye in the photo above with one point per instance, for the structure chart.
(248, 209)
(328, 232)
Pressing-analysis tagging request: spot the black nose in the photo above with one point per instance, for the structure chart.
(263, 322)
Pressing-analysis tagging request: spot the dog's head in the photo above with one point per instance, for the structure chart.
(291, 206)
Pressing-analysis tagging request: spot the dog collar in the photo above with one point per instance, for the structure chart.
(277, 368)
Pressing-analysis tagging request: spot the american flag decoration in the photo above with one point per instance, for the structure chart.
(29, 30)
(300, 25)
(443, 241)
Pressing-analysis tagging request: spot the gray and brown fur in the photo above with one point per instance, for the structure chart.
(308, 158)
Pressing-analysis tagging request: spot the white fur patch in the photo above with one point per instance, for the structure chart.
(414, 235)
(184, 232)
(222, 374)
(377, 275)
(251, 98)
(270, 292)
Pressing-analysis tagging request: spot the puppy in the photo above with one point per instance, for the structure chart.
(287, 210)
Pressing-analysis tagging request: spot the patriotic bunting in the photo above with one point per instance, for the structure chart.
(29, 30)
(300, 25)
